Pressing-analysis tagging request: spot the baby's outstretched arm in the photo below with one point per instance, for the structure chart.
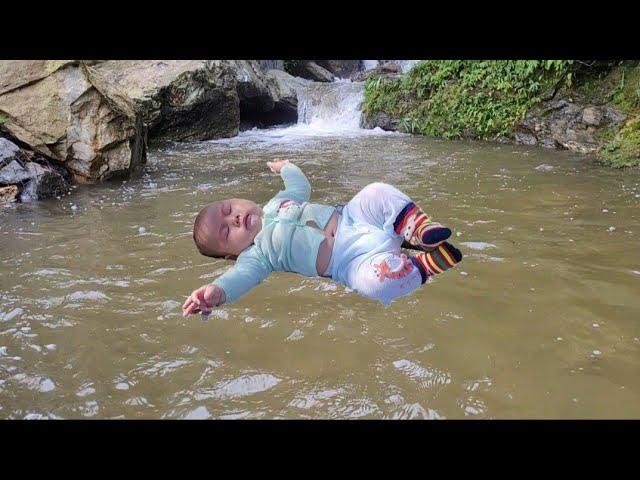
(203, 299)
(296, 185)
(250, 269)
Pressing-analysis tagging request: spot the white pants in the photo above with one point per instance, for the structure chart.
(367, 254)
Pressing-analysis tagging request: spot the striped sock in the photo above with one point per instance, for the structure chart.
(442, 258)
(418, 229)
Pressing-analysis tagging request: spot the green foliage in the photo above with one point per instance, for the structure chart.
(464, 98)
(290, 66)
(626, 96)
(624, 149)
(2, 120)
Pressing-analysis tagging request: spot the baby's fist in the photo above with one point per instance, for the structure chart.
(277, 166)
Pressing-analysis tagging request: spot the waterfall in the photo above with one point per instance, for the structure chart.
(331, 106)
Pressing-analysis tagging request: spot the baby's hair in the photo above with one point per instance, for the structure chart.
(198, 236)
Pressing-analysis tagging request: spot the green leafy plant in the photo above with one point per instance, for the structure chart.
(465, 98)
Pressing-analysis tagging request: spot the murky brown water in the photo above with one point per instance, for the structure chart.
(541, 320)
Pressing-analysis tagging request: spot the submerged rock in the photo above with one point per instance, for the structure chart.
(44, 182)
(8, 193)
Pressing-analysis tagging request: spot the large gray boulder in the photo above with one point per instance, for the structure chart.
(65, 112)
(341, 68)
(284, 89)
(178, 99)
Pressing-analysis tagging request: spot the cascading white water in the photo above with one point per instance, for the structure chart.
(331, 106)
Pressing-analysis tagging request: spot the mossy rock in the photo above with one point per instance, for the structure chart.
(624, 149)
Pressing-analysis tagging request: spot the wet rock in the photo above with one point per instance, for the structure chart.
(179, 99)
(563, 124)
(284, 88)
(13, 173)
(341, 68)
(9, 151)
(8, 193)
(391, 70)
(544, 168)
(379, 119)
(526, 138)
(44, 182)
(66, 112)
(253, 88)
(592, 116)
(311, 70)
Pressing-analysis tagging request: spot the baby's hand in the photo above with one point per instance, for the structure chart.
(203, 299)
(277, 166)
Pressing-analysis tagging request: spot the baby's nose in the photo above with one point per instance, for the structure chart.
(237, 220)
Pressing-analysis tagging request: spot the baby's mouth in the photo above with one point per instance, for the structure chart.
(246, 221)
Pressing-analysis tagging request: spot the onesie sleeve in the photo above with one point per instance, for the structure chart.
(250, 269)
(296, 185)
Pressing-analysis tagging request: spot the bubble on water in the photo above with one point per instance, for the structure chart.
(142, 230)
(295, 335)
(46, 385)
(122, 386)
(604, 210)
(11, 315)
(611, 229)
(595, 325)
(73, 207)
(200, 413)
(464, 273)
(597, 352)
(478, 245)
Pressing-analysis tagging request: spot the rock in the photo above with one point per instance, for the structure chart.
(284, 88)
(8, 151)
(380, 119)
(390, 70)
(544, 168)
(253, 88)
(341, 68)
(8, 194)
(312, 71)
(592, 116)
(65, 111)
(179, 99)
(45, 182)
(13, 173)
(525, 138)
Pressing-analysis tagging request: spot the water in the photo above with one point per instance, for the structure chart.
(330, 108)
(539, 321)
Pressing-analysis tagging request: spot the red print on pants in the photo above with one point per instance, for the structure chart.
(384, 270)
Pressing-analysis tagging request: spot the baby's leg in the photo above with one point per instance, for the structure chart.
(389, 209)
(387, 275)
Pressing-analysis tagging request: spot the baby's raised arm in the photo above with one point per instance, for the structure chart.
(296, 185)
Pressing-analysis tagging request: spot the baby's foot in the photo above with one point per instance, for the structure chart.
(442, 258)
(419, 229)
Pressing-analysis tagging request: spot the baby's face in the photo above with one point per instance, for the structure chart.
(232, 225)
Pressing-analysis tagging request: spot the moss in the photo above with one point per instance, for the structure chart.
(624, 149)
(464, 98)
(2, 120)
(627, 95)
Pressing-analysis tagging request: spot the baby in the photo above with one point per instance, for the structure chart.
(359, 246)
